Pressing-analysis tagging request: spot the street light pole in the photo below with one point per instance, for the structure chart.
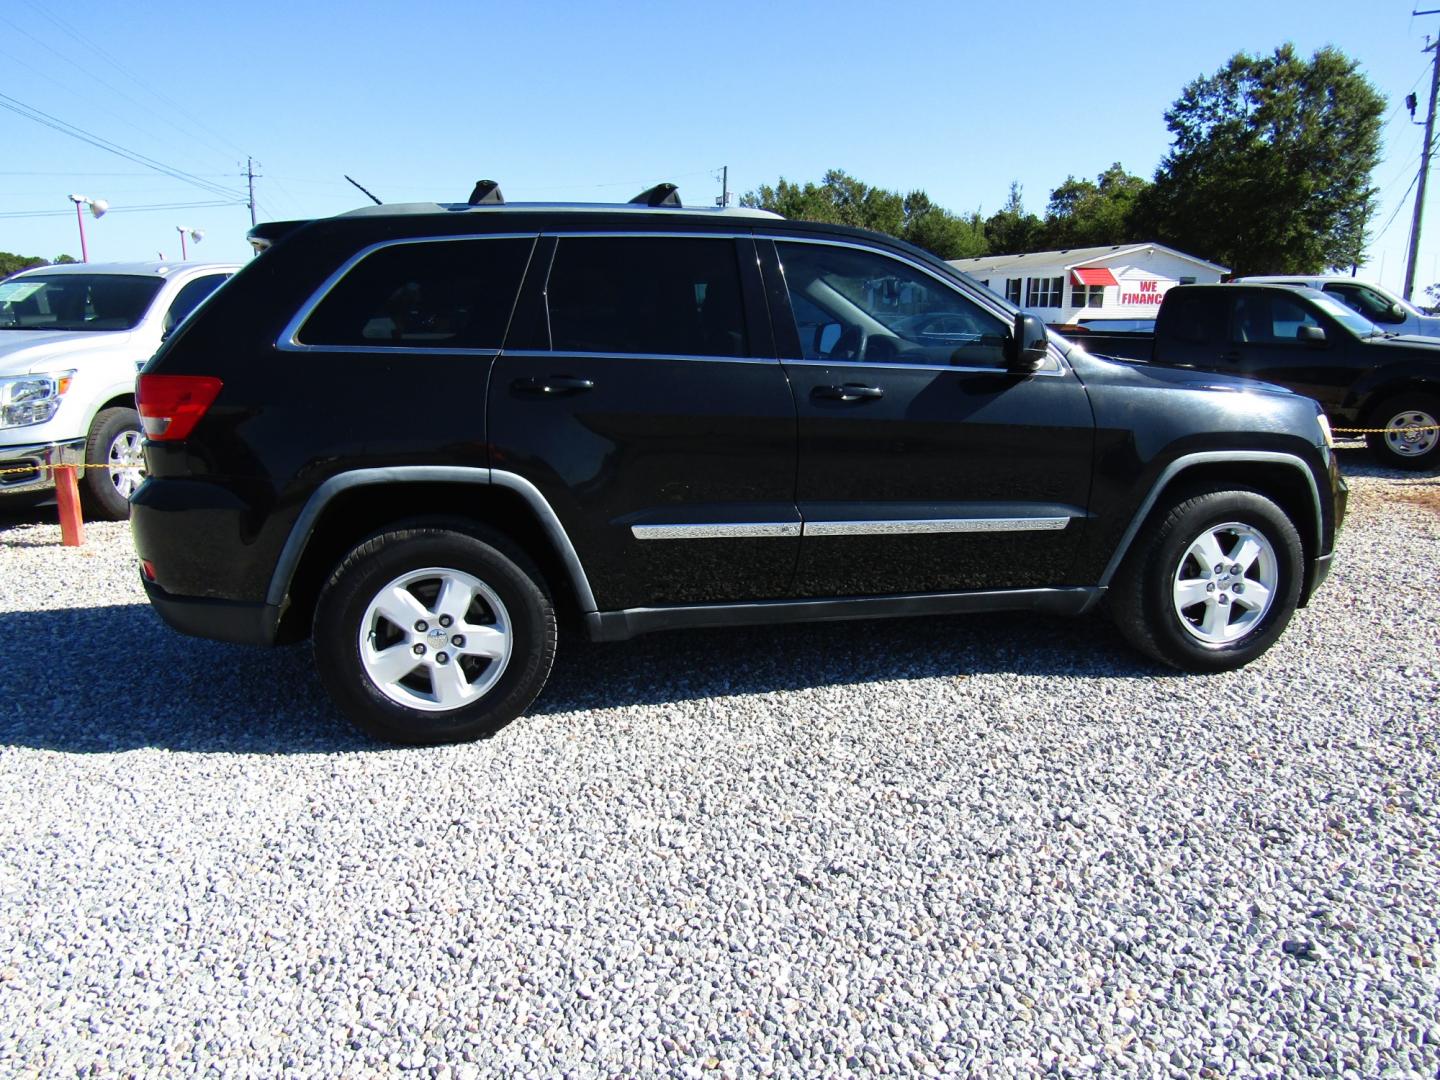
(195, 234)
(80, 220)
(97, 207)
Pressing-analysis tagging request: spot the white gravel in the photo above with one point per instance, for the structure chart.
(1002, 846)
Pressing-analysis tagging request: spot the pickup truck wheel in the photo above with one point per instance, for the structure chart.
(1405, 444)
(116, 465)
(1211, 583)
(433, 635)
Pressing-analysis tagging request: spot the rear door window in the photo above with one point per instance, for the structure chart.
(433, 294)
(661, 296)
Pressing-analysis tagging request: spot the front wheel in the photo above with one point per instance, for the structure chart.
(434, 635)
(115, 463)
(1411, 435)
(1210, 584)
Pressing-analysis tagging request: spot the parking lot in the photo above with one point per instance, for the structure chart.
(1000, 845)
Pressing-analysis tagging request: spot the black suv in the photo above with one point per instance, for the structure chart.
(418, 434)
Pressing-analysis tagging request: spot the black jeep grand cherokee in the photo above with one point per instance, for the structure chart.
(417, 433)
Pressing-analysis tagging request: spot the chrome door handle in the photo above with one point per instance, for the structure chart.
(848, 392)
(552, 385)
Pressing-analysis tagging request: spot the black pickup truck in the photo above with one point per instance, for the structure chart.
(1303, 339)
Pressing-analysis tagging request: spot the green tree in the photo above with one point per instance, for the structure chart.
(938, 231)
(1086, 214)
(841, 199)
(1012, 231)
(13, 264)
(1270, 164)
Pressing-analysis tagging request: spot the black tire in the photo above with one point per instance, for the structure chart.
(98, 491)
(525, 610)
(1420, 451)
(1143, 596)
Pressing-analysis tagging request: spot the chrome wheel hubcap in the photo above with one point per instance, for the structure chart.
(1403, 434)
(435, 639)
(126, 462)
(1225, 583)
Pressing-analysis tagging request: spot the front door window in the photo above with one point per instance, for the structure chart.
(859, 306)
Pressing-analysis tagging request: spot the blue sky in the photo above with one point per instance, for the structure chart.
(595, 102)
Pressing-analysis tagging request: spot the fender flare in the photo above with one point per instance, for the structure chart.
(304, 526)
(1186, 461)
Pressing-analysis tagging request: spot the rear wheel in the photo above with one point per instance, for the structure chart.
(434, 635)
(115, 463)
(1411, 435)
(1212, 583)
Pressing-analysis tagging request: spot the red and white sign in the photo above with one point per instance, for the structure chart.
(1144, 292)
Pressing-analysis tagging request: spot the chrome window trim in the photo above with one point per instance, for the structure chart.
(564, 354)
(289, 340)
(977, 299)
(935, 525)
(1179, 465)
(717, 530)
(902, 366)
(386, 350)
(643, 234)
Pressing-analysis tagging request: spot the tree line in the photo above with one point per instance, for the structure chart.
(1269, 171)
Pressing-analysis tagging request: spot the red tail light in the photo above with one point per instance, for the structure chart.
(171, 405)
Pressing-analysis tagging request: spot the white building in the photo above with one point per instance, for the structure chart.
(1123, 282)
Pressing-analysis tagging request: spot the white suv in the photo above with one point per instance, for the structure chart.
(1380, 306)
(71, 340)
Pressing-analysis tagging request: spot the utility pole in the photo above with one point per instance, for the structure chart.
(1433, 47)
(250, 181)
(724, 199)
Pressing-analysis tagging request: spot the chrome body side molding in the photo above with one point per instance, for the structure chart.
(716, 531)
(752, 529)
(935, 525)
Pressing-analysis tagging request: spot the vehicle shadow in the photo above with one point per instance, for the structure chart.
(108, 679)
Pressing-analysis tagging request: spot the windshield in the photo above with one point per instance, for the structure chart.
(1349, 318)
(76, 301)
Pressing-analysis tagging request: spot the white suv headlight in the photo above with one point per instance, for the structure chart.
(32, 399)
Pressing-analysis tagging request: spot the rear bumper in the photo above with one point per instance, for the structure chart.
(234, 621)
(28, 467)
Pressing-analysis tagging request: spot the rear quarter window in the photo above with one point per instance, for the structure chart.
(429, 294)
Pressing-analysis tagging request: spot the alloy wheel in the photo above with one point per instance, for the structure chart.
(1225, 583)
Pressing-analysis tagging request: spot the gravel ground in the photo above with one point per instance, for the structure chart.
(998, 846)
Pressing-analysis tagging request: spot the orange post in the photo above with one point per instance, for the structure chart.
(67, 494)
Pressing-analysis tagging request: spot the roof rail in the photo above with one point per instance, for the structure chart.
(487, 192)
(659, 195)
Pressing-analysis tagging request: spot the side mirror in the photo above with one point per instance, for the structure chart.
(1397, 313)
(1311, 335)
(1028, 343)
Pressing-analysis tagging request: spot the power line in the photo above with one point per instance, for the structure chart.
(29, 112)
(8, 214)
(110, 88)
(123, 70)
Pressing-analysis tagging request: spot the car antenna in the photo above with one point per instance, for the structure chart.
(357, 183)
(486, 193)
(659, 195)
